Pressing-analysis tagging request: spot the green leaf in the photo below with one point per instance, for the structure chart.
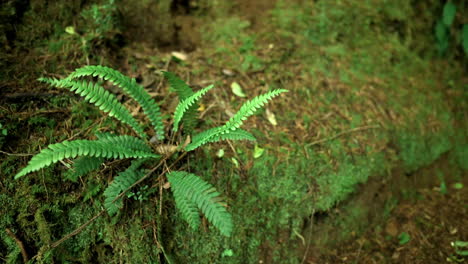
(123, 181)
(441, 31)
(70, 30)
(448, 14)
(237, 89)
(258, 152)
(231, 130)
(184, 91)
(235, 162)
(404, 238)
(227, 253)
(443, 188)
(103, 99)
(249, 108)
(129, 86)
(72, 149)
(214, 135)
(181, 88)
(83, 165)
(220, 153)
(459, 243)
(458, 186)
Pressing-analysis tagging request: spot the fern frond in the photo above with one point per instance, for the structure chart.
(84, 165)
(72, 149)
(186, 104)
(184, 91)
(120, 183)
(190, 190)
(246, 110)
(137, 92)
(188, 209)
(97, 95)
(124, 141)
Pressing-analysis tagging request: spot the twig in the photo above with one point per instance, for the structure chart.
(28, 95)
(76, 231)
(15, 154)
(341, 134)
(19, 243)
(359, 252)
(310, 236)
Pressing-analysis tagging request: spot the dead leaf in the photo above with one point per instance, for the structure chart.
(166, 149)
(179, 55)
(228, 72)
(186, 142)
(271, 117)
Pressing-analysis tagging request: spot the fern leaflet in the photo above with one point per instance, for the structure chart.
(137, 92)
(190, 191)
(214, 135)
(97, 95)
(72, 149)
(238, 134)
(84, 165)
(123, 181)
(124, 141)
(181, 88)
(186, 104)
(184, 91)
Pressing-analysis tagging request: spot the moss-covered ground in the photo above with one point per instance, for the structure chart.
(372, 101)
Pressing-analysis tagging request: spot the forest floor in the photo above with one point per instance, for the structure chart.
(420, 226)
(364, 159)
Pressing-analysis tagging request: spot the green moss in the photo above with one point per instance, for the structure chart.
(417, 151)
(273, 199)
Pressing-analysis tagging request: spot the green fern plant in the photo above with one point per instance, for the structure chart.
(191, 193)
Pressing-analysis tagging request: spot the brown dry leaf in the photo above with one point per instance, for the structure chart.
(186, 142)
(166, 149)
(201, 108)
(228, 72)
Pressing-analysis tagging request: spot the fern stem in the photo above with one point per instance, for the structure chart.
(19, 243)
